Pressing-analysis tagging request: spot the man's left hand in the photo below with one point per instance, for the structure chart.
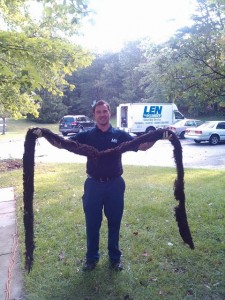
(37, 132)
(167, 135)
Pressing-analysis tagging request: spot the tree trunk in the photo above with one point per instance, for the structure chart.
(3, 125)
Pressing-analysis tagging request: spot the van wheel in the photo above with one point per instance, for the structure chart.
(149, 129)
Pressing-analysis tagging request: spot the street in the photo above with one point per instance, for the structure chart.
(161, 154)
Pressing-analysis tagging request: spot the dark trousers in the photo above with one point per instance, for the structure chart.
(107, 196)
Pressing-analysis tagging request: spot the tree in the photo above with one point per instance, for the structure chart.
(131, 56)
(189, 68)
(51, 110)
(36, 54)
(112, 76)
(101, 80)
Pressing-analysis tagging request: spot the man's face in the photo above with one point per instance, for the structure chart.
(102, 114)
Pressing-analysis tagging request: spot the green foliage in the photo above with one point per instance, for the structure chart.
(52, 109)
(43, 18)
(131, 56)
(34, 56)
(157, 263)
(111, 76)
(189, 68)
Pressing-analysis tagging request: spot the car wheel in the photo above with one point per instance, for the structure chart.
(214, 139)
(182, 135)
(81, 129)
(197, 142)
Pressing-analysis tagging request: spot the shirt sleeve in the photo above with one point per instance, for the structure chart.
(79, 137)
(125, 137)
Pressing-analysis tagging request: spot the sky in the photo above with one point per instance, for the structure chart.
(116, 22)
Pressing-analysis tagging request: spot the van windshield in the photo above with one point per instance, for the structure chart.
(178, 115)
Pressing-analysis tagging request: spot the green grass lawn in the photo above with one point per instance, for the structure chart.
(157, 263)
(18, 128)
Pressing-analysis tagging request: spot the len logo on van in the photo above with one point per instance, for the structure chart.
(153, 111)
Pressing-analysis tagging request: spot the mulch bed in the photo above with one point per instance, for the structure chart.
(10, 164)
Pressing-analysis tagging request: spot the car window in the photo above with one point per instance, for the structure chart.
(82, 119)
(221, 125)
(207, 124)
(68, 120)
(180, 123)
(198, 123)
(190, 123)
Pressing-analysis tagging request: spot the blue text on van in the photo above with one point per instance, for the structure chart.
(153, 111)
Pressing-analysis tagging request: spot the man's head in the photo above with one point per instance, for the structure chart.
(99, 103)
(101, 113)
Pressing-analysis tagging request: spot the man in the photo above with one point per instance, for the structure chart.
(104, 187)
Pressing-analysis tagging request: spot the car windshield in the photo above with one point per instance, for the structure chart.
(68, 120)
(207, 125)
(199, 122)
(190, 123)
(179, 123)
(82, 119)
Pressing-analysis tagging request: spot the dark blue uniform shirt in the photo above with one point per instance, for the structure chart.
(108, 165)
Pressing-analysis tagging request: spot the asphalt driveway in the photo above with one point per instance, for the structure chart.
(161, 154)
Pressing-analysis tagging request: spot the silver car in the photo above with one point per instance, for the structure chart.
(179, 127)
(211, 131)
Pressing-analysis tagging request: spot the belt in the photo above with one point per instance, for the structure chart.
(102, 179)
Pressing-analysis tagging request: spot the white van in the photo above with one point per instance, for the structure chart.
(139, 118)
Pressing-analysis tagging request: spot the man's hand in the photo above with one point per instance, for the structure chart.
(37, 132)
(167, 136)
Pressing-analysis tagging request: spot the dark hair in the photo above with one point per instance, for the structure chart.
(101, 102)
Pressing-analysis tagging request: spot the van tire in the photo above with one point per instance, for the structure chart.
(149, 129)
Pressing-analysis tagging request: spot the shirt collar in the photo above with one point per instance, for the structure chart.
(109, 130)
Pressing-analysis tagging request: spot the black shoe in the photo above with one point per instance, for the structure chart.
(89, 265)
(116, 266)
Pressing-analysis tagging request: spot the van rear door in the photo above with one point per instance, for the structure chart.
(122, 116)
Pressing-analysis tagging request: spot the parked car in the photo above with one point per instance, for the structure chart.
(211, 131)
(179, 127)
(74, 124)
